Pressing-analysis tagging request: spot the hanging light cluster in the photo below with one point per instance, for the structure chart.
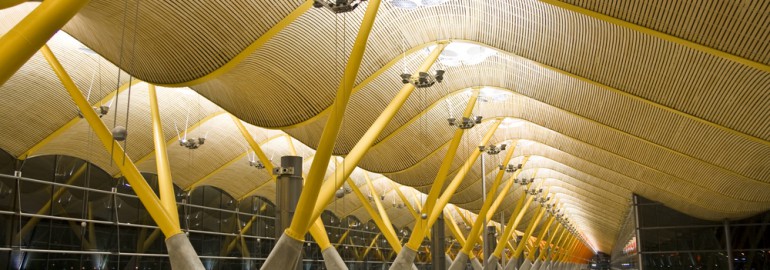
(254, 162)
(466, 122)
(510, 168)
(524, 181)
(493, 149)
(338, 6)
(423, 79)
(192, 143)
(100, 111)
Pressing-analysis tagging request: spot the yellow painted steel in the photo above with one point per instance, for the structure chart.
(456, 232)
(521, 208)
(460, 176)
(558, 243)
(290, 142)
(553, 245)
(404, 200)
(481, 219)
(133, 176)
(380, 208)
(506, 189)
(374, 241)
(33, 221)
(22, 41)
(547, 245)
(567, 248)
(386, 228)
(530, 229)
(307, 200)
(362, 146)
(165, 183)
(438, 183)
(202, 180)
(342, 238)
(539, 239)
(318, 232)
(61, 130)
(174, 140)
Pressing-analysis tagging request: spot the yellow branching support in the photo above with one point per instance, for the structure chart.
(128, 169)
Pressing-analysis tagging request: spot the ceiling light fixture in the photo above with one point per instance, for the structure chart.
(423, 79)
(338, 6)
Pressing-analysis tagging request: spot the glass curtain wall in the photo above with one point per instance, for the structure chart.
(675, 241)
(64, 213)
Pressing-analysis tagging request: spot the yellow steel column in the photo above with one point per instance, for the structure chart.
(165, 184)
(558, 243)
(530, 229)
(367, 140)
(454, 229)
(434, 207)
(318, 232)
(128, 169)
(20, 43)
(460, 176)
(405, 201)
(374, 241)
(443, 172)
(342, 238)
(514, 220)
(539, 238)
(547, 244)
(386, 228)
(380, 208)
(560, 232)
(568, 248)
(481, 219)
(303, 215)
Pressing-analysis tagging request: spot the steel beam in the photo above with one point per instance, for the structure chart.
(133, 176)
(163, 167)
(481, 219)
(22, 41)
(367, 140)
(307, 200)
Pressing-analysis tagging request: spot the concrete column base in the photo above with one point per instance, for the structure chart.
(526, 265)
(181, 253)
(448, 261)
(459, 262)
(404, 260)
(476, 264)
(285, 254)
(332, 259)
(537, 265)
(511, 265)
(492, 263)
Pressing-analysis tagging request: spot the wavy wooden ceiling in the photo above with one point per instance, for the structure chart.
(603, 110)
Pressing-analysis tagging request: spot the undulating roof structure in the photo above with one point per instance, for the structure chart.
(666, 99)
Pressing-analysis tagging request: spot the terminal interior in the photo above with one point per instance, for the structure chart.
(385, 134)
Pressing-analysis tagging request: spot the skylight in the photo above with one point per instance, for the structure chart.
(463, 53)
(412, 4)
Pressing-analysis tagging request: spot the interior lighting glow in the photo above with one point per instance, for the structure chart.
(413, 4)
(464, 53)
(493, 94)
(511, 123)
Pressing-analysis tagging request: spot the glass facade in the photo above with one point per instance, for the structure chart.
(672, 240)
(64, 213)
